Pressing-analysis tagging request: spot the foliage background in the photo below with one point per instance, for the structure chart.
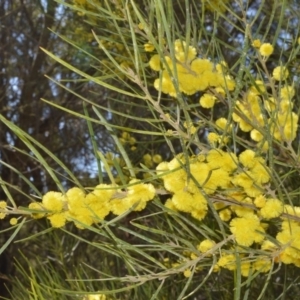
(55, 144)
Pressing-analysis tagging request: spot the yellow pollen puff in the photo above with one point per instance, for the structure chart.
(206, 245)
(266, 49)
(246, 230)
(141, 26)
(262, 264)
(247, 158)
(287, 92)
(13, 221)
(213, 137)
(2, 204)
(256, 43)
(157, 158)
(222, 123)
(207, 100)
(272, 209)
(154, 62)
(256, 135)
(58, 220)
(260, 201)
(187, 273)
(225, 214)
(53, 201)
(39, 207)
(280, 73)
(149, 47)
(227, 261)
(96, 297)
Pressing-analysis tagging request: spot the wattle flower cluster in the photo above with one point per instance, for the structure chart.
(239, 179)
(192, 73)
(86, 209)
(237, 186)
(252, 110)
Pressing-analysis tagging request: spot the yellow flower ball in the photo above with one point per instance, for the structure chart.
(53, 201)
(280, 73)
(256, 43)
(37, 206)
(213, 137)
(260, 201)
(256, 135)
(58, 220)
(207, 101)
(247, 158)
(266, 49)
(149, 47)
(157, 158)
(222, 123)
(187, 273)
(272, 209)
(154, 62)
(227, 261)
(225, 214)
(13, 221)
(287, 92)
(206, 245)
(262, 264)
(246, 229)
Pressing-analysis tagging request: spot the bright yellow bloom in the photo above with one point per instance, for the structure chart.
(187, 273)
(213, 137)
(182, 53)
(247, 158)
(222, 123)
(170, 205)
(225, 214)
(53, 201)
(206, 245)
(141, 26)
(154, 62)
(227, 261)
(256, 43)
(289, 237)
(287, 92)
(256, 135)
(241, 210)
(157, 158)
(220, 159)
(207, 101)
(291, 210)
(280, 73)
(266, 49)
(39, 207)
(245, 230)
(3, 204)
(187, 202)
(245, 268)
(149, 47)
(137, 197)
(13, 221)
(221, 67)
(95, 297)
(260, 201)
(272, 209)
(268, 246)
(58, 220)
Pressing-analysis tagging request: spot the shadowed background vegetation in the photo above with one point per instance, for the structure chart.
(60, 128)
